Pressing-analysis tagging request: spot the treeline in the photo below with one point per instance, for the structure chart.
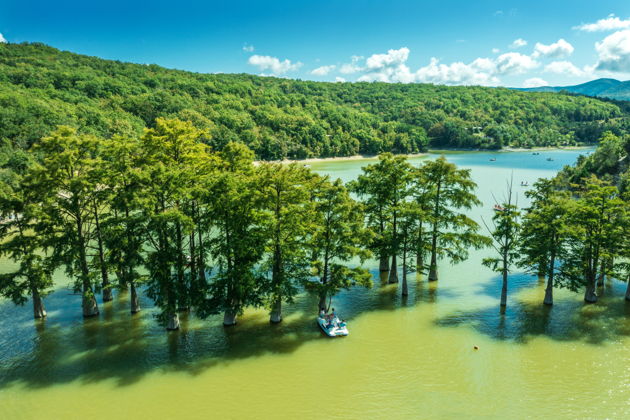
(42, 87)
(213, 232)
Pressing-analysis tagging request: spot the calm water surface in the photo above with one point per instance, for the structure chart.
(405, 358)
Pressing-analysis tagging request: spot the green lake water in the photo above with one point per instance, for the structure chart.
(404, 358)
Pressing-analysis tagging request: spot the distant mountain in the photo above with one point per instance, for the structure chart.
(603, 88)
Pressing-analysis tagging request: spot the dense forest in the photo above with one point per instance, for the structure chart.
(42, 87)
(215, 233)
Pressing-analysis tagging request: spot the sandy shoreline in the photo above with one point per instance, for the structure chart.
(413, 155)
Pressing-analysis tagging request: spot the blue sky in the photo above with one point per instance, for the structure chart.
(507, 43)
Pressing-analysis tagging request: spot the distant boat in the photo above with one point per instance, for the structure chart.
(550, 159)
(493, 159)
(498, 208)
(524, 184)
(535, 153)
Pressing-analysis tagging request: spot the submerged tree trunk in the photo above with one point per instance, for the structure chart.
(172, 323)
(590, 296)
(433, 274)
(628, 290)
(229, 318)
(549, 290)
(504, 288)
(393, 272)
(276, 312)
(89, 305)
(107, 288)
(405, 289)
(600, 278)
(134, 300)
(39, 311)
(384, 263)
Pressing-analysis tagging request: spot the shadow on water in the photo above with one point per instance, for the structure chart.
(124, 348)
(569, 319)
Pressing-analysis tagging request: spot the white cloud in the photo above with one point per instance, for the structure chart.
(515, 63)
(248, 48)
(496, 51)
(352, 67)
(2, 39)
(323, 70)
(277, 67)
(564, 67)
(556, 50)
(340, 79)
(479, 72)
(535, 82)
(393, 57)
(610, 23)
(518, 43)
(614, 52)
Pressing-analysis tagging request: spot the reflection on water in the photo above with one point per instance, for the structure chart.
(405, 356)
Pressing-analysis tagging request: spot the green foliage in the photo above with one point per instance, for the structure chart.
(448, 191)
(42, 87)
(337, 238)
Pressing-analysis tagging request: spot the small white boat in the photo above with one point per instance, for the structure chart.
(334, 328)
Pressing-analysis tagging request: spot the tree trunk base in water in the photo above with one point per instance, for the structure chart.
(173, 322)
(275, 317)
(384, 264)
(628, 291)
(90, 307)
(135, 301)
(433, 275)
(229, 319)
(590, 296)
(39, 310)
(108, 296)
(548, 299)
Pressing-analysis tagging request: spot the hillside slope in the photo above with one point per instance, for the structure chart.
(605, 88)
(41, 87)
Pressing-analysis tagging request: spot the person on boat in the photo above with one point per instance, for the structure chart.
(333, 315)
(322, 312)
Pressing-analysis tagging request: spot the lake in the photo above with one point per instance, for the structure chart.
(405, 357)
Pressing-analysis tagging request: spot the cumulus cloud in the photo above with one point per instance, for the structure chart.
(339, 79)
(515, 63)
(614, 52)
(610, 23)
(535, 82)
(564, 67)
(393, 57)
(352, 67)
(518, 43)
(2, 39)
(556, 50)
(273, 64)
(496, 51)
(479, 72)
(248, 48)
(323, 70)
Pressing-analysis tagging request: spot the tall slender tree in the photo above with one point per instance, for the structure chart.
(239, 242)
(450, 190)
(596, 230)
(384, 186)
(505, 236)
(338, 238)
(171, 154)
(544, 232)
(286, 193)
(19, 239)
(64, 179)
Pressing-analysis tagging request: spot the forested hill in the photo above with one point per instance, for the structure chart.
(42, 87)
(604, 88)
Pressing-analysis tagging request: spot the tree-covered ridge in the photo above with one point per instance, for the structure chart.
(42, 87)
